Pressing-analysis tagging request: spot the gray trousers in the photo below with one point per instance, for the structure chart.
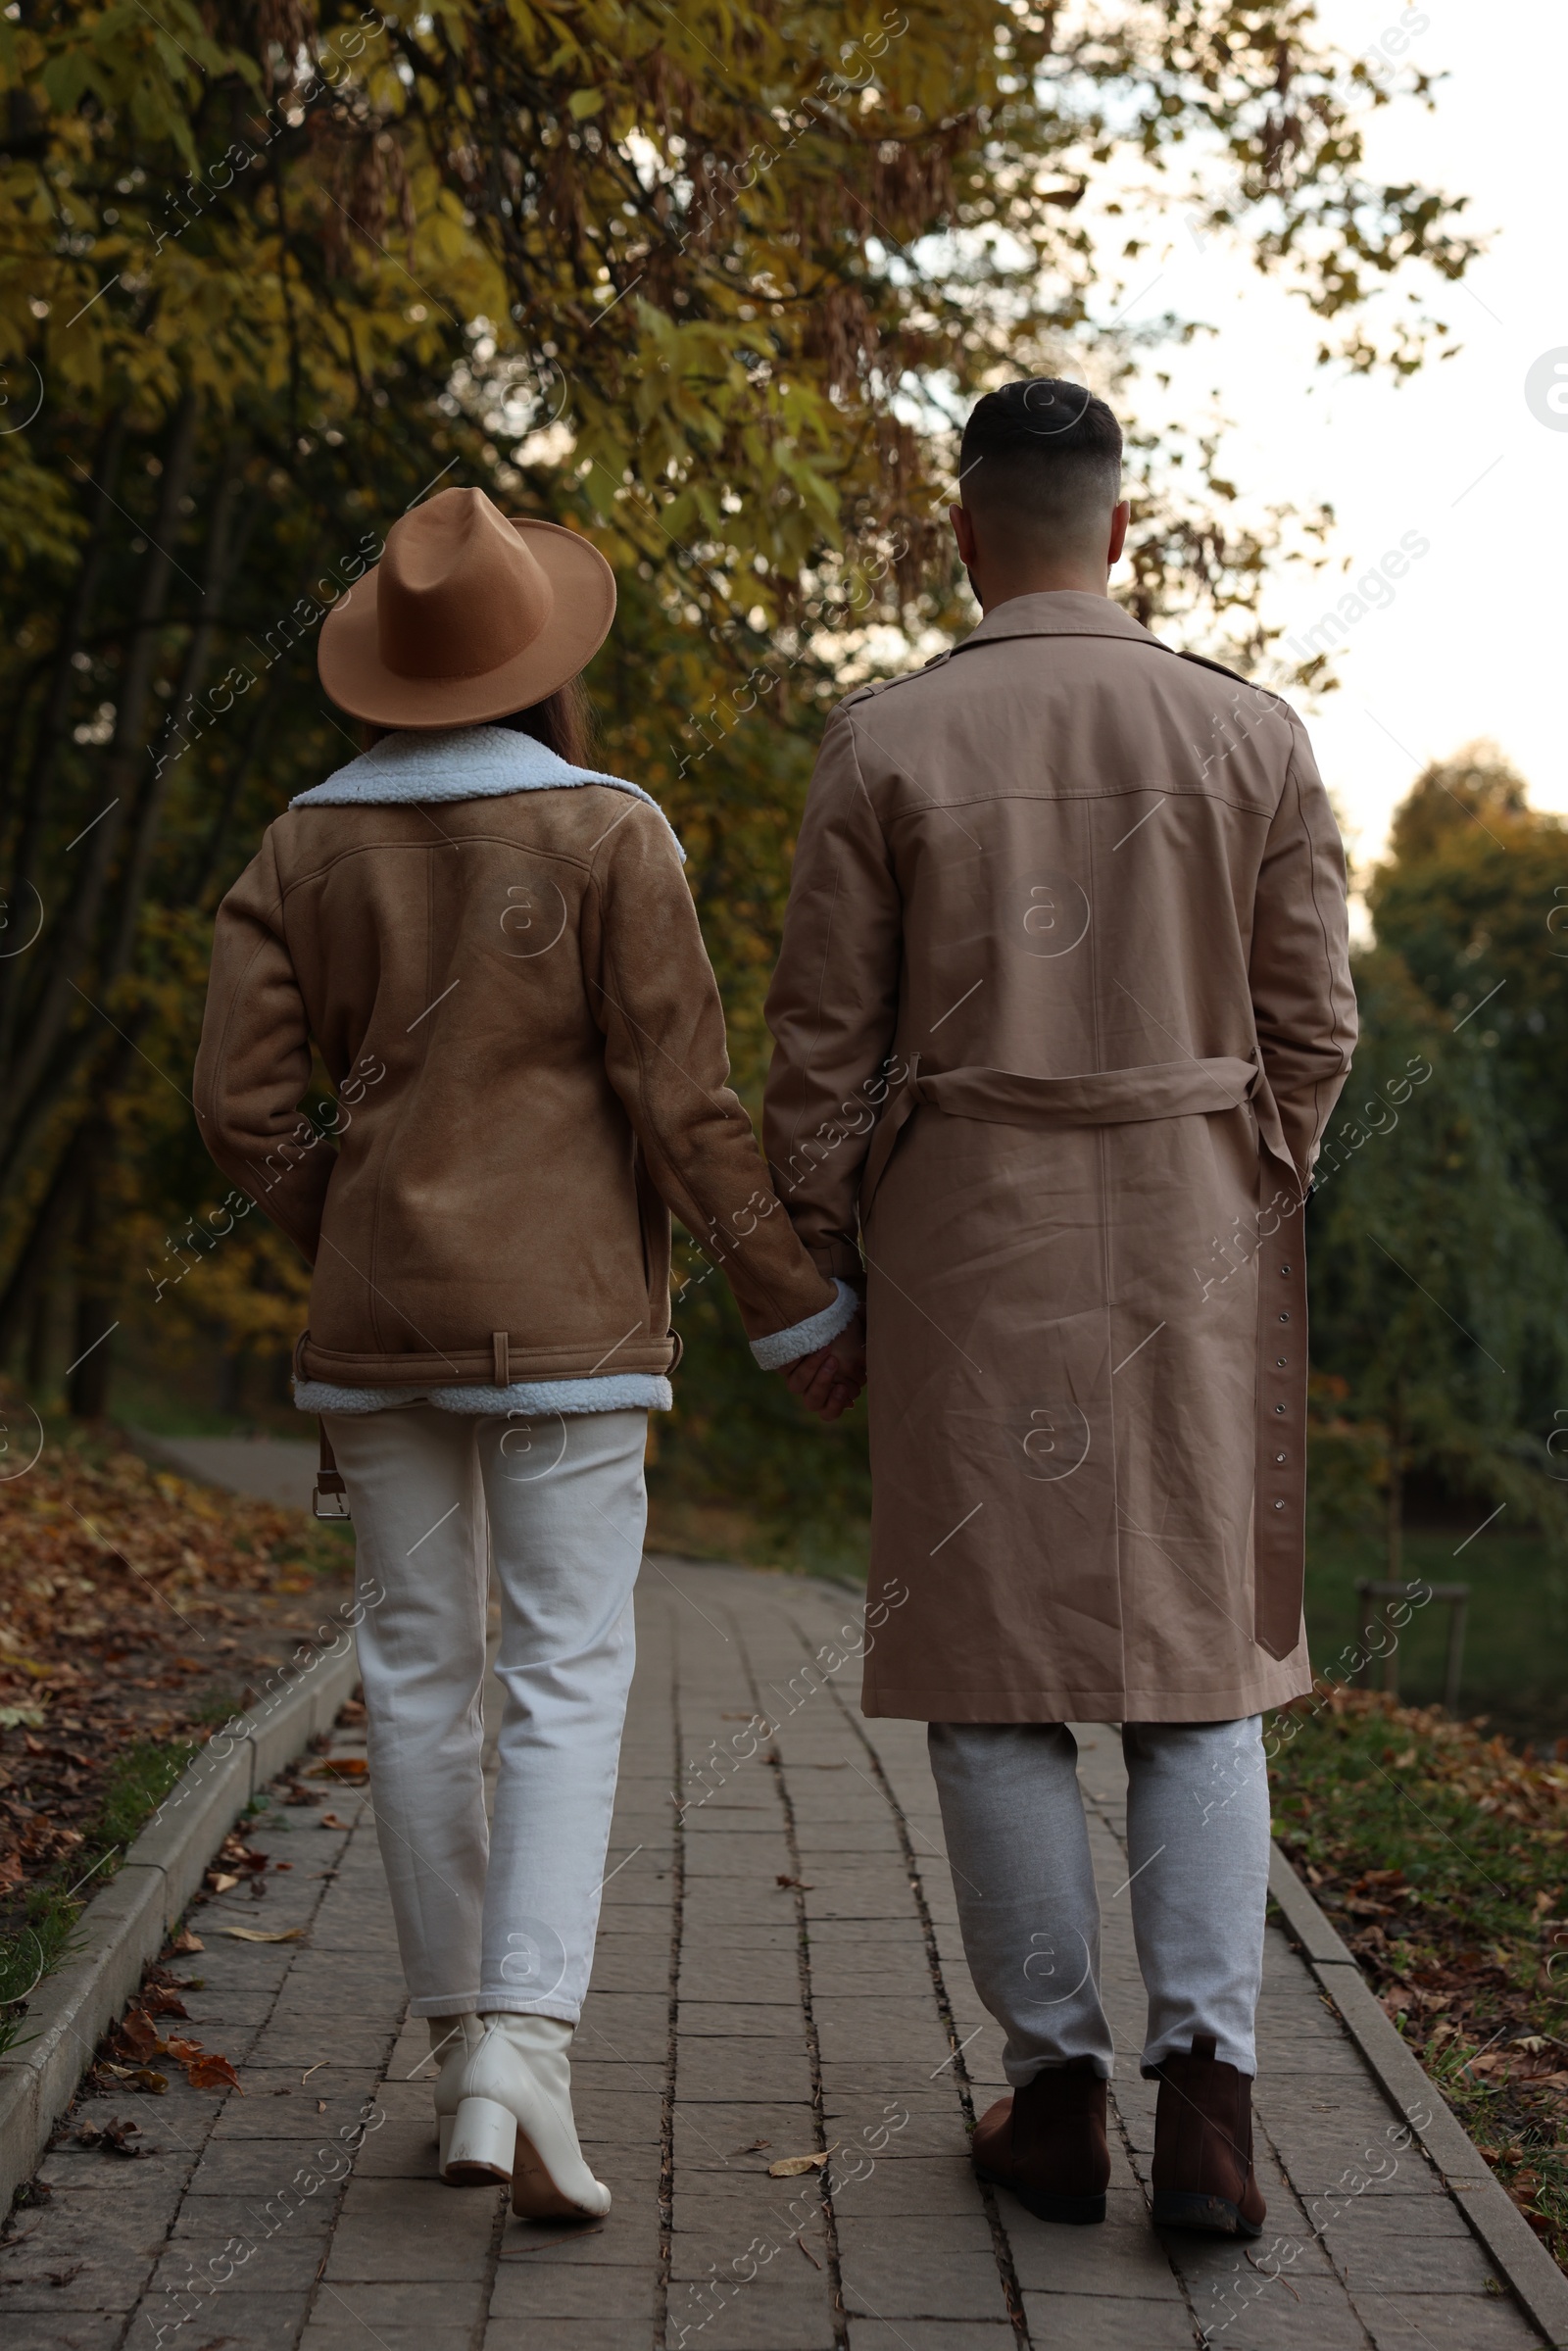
(1197, 1844)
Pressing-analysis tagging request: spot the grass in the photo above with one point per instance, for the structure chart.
(38, 1935)
(1442, 1856)
(1516, 1646)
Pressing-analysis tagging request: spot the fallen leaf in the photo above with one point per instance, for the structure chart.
(791, 2167)
(221, 1880)
(340, 1767)
(184, 1941)
(140, 2035)
(809, 2255)
(145, 2077)
(113, 2138)
(329, 1820)
(321, 2106)
(211, 2072)
(266, 1934)
(804, 1885)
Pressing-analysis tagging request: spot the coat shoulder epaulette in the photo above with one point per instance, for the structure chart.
(885, 685)
(1202, 662)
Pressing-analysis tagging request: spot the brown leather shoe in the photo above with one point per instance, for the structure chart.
(1046, 2143)
(1203, 2175)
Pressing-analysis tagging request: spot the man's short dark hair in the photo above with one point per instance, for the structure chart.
(1046, 454)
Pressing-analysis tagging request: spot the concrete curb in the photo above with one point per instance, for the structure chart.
(1521, 2259)
(127, 1923)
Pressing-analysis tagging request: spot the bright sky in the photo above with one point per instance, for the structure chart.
(1472, 642)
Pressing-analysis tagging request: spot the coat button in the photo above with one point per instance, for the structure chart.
(1279, 1363)
(1285, 1318)
(1279, 1506)
(1282, 1457)
(1279, 1409)
(1285, 1269)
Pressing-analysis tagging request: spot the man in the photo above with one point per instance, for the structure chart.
(1062, 1009)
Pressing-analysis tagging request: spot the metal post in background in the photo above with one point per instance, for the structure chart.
(1380, 1590)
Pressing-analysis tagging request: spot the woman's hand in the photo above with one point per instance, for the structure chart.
(828, 1381)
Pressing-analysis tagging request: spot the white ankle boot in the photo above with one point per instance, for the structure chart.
(454, 2039)
(513, 2120)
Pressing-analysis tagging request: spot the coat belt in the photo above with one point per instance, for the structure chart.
(1182, 1089)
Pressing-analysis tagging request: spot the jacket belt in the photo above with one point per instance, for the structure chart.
(1182, 1089)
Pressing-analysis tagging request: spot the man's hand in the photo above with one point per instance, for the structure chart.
(829, 1381)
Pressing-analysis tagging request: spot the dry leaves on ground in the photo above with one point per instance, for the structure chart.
(132, 2044)
(1442, 1857)
(113, 2138)
(135, 1605)
(792, 2167)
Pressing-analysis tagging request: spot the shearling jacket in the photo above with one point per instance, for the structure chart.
(514, 1009)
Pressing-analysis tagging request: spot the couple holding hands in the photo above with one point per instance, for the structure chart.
(1063, 997)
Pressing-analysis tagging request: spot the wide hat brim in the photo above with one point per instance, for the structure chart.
(352, 672)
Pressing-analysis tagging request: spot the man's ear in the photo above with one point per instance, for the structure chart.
(964, 532)
(1119, 521)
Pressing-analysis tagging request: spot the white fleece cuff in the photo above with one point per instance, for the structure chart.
(616, 1392)
(805, 1338)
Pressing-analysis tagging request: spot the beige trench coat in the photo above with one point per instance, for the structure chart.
(1062, 1009)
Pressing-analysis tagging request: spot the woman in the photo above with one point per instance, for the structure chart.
(492, 949)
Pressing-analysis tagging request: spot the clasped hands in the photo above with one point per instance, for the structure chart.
(829, 1380)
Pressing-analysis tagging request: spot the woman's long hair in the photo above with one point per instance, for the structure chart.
(564, 722)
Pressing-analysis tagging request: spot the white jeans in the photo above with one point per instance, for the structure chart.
(1197, 1846)
(505, 1919)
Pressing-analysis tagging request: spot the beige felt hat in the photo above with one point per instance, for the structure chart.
(467, 616)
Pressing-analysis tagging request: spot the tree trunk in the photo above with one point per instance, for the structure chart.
(62, 1200)
(55, 716)
(51, 1223)
(230, 1374)
(39, 1333)
(1384, 1613)
(70, 945)
(97, 1289)
(222, 551)
(1395, 1532)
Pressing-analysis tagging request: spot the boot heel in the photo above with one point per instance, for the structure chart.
(484, 2143)
(1210, 2216)
(1081, 2212)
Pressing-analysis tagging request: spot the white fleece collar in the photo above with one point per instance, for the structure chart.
(465, 763)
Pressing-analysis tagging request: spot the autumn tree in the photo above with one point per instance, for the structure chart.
(1439, 1261)
(712, 286)
(1473, 894)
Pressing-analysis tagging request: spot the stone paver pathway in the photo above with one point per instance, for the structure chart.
(778, 1976)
